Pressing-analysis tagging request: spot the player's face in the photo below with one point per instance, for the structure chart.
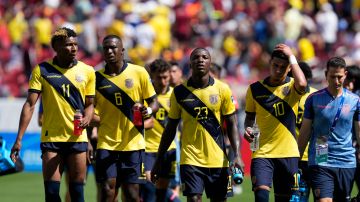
(335, 77)
(67, 49)
(175, 75)
(279, 68)
(113, 50)
(200, 62)
(161, 79)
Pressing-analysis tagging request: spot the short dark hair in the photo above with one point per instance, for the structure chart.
(279, 54)
(198, 49)
(335, 62)
(159, 65)
(62, 34)
(353, 73)
(112, 36)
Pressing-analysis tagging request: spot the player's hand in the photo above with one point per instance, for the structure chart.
(239, 163)
(248, 134)
(90, 154)
(284, 48)
(85, 121)
(156, 170)
(15, 150)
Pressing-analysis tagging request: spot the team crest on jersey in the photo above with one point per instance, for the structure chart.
(129, 83)
(168, 103)
(286, 90)
(213, 99)
(79, 78)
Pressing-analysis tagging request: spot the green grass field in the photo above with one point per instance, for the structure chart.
(29, 187)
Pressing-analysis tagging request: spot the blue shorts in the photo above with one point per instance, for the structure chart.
(125, 166)
(64, 148)
(168, 168)
(335, 183)
(216, 181)
(280, 171)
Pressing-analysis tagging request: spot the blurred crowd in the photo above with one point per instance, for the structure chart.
(239, 33)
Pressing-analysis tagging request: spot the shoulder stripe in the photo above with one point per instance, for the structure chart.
(268, 100)
(62, 85)
(117, 97)
(209, 122)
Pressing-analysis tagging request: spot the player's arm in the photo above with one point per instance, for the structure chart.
(299, 77)
(233, 135)
(166, 139)
(248, 123)
(149, 123)
(88, 111)
(304, 135)
(25, 117)
(153, 106)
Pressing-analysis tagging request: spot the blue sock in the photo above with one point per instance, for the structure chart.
(261, 195)
(52, 189)
(76, 190)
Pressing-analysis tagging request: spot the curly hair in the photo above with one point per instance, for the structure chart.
(62, 34)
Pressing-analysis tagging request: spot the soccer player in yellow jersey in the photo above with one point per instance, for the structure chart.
(202, 102)
(274, 103)
(121, 87)
(160, 75)
(66, 85)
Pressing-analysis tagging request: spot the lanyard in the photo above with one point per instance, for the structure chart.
(337, 116)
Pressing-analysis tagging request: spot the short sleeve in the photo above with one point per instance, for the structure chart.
(90, 86)
(227, 105)
(309, 110)
(175, 110)
(357, 112)
(146, 85)
(249, 101)
(35, 80)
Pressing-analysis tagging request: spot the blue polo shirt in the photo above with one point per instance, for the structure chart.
(321, 107)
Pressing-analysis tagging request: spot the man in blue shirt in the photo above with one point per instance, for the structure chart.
(330, 115)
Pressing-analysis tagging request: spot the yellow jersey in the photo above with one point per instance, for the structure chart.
(63, 91)
(201, 109)
(115, 96)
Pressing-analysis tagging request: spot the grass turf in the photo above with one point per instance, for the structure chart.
(28, 187)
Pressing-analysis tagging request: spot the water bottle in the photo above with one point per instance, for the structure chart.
(137, 116)
(237, 175)
(255, 133)
(77, 120)
(303, 189)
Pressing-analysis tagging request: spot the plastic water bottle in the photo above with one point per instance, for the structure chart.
(237, 175)
(255, 133)
(77, 120)
(137, 116)
(303, 191)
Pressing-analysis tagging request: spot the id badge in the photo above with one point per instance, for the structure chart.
(321, 146)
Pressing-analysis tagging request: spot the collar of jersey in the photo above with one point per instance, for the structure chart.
(267, 81)
(56, 63)
(211, 82)
(122, 68)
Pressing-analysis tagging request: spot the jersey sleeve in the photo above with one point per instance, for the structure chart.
(175, 109)
(357, 112)
(146, 85)
(228, 106)
(309, 110)
(90, 86)
(35, 80)
(249, 101)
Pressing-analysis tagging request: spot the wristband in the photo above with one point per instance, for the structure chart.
(292, 60)
(149, 110)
